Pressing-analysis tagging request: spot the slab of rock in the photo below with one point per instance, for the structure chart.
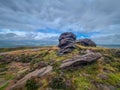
(36, 73)
(105, 87)
(80, 60)
(102, 76)
(86, 42)
(66, 42)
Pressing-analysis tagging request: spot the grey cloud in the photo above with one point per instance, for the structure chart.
(108, 35)
(7, 36)
(88, 14)
(65, 15)
(107, 39)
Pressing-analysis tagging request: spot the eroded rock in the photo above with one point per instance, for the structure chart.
(105, 87)
(102, 76)
(80, 60)
(66, 42)
(86, 42)
(36, 73)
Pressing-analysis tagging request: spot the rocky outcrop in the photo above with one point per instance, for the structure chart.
(66, 42)
(86, 42)
(80, 60)
(105, 87)
(37, 73)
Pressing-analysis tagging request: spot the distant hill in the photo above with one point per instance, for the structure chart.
(110, 46)
(25, 43)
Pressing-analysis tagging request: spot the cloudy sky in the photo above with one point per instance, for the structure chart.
(38, 20)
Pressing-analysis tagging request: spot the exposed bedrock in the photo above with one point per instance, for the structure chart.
(80, 60)
(86, 42)
(66, 42)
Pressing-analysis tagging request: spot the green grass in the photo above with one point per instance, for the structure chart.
(8, 76)
(82, 83)
(16, 48)
(82, 78)
(3, 87)
(113, 79)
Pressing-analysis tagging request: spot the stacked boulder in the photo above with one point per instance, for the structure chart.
(66, 42)
(86, 42)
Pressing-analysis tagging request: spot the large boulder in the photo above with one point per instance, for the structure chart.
(80, 60)
(86, 42)
(66, 42)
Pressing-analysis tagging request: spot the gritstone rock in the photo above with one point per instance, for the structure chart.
(66, 43)
(86, 42)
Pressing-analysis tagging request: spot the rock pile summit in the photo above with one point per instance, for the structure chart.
(66, 42)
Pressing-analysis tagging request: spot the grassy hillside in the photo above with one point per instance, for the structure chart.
(17, 48)
(100, 75)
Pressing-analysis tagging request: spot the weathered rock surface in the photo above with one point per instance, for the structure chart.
(86, 42)
(66, 42)
(102, 76)
(41, 64)
(81, 60)
(105, 87)
(36, 73)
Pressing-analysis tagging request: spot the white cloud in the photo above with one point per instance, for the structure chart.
(7, 34)
(63, 15)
